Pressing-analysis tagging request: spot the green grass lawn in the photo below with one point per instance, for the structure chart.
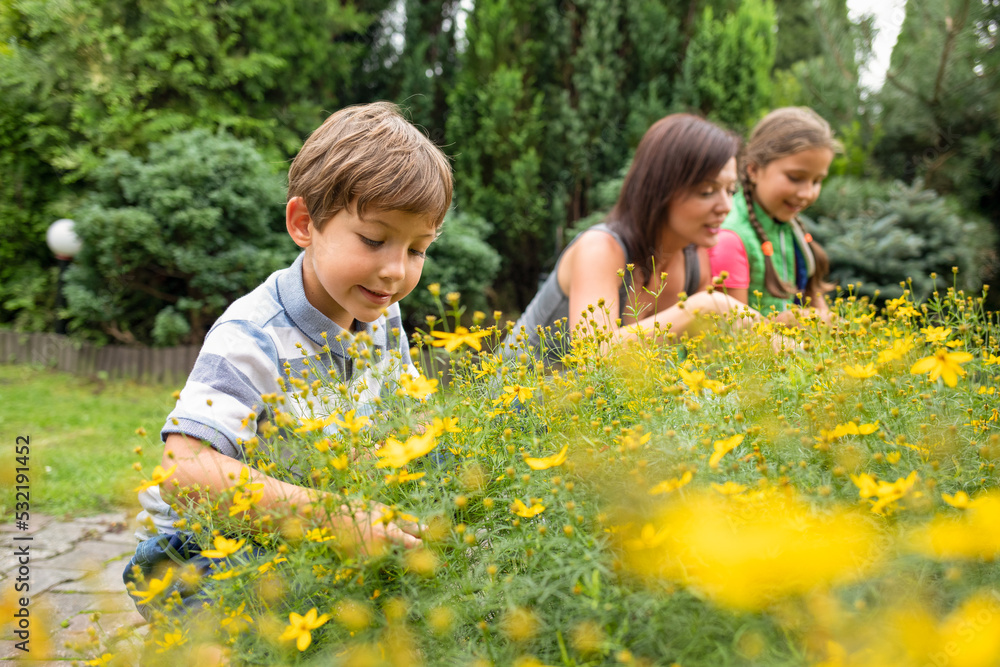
(82, 437)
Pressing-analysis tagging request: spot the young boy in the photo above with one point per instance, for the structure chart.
(367, 194)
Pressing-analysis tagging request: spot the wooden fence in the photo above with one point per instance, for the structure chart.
(147, 364)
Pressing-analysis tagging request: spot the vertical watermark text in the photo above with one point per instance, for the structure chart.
(21, 543)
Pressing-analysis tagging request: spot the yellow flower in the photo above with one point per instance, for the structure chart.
(242, 502)
(248, 495)
(696, 382)
(462, 336)
(419, 388)
(972, 535)
(519, 392)
(159, 477)
(671, 485)
(300, 628)
(222, 575)
(860, 372)
(649, 538)
(936, 334)
(320, 535)
(899, 349)
(723, 447)
(889, 493)
(446, 425)
(730, 488)
(522, 510)
(749, 555)
(352, 422)
(960, 500)
(103, 660)
(867, 486)
(224, 547)
(885, 493)
(238, 617)
(487, 367)
(944, 364)
(269, 565)
(308, 425)
(850, 428)
(170, 640)
(902, 307)
(156, 586)
(548, 461)
(991, 360)
(395, 454)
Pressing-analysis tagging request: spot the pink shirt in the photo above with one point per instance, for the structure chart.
(729, 255)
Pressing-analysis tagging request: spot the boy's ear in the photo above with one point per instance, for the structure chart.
(298, 222)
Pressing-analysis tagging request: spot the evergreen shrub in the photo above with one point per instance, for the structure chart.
(460, 260)
(881, 234)
(170, 240)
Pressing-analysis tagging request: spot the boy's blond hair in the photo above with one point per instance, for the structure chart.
(369, 157)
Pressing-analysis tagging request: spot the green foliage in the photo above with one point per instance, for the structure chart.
(825, 76)
(496, 119)
(460, 260)
(80, 78)
(121, 75)
(727, 67)
(798, 35)
(632, 508)
(881, 235)
(941, 104)
(28, 190)
(415, 63)
(171, 240)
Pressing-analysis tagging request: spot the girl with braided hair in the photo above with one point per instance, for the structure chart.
(771, 261)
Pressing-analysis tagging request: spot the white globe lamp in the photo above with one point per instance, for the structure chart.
(62, 239)
(64, 244)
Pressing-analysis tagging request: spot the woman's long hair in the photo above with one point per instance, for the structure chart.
(676, 154)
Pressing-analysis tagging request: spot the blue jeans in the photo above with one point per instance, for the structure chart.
(181, 548)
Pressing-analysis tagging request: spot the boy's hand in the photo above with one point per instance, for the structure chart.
(367, 528)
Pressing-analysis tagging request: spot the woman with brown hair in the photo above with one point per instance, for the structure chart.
(632, 267)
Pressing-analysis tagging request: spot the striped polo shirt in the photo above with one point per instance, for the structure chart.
(268, 334)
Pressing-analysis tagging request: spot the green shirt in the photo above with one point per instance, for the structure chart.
(782, 239)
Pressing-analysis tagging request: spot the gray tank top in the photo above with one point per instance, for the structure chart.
(550, 307)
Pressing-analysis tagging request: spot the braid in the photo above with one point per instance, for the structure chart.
(772, 282)
(817, 283)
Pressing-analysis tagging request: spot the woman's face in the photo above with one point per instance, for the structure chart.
(785, 186)
(697, 216)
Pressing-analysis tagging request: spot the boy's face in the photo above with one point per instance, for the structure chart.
(355, 268)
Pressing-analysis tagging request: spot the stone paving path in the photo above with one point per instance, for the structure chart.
(76, 586)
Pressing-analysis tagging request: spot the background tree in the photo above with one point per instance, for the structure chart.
(822, 72)
(727, 66)
(80, 78)
(496, 123)
(413, 60)
(170, 240)
(540, 105)
(941, 104)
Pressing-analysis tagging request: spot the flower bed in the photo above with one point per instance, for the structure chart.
(702, 502)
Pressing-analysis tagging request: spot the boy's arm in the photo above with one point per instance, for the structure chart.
(200, 466)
